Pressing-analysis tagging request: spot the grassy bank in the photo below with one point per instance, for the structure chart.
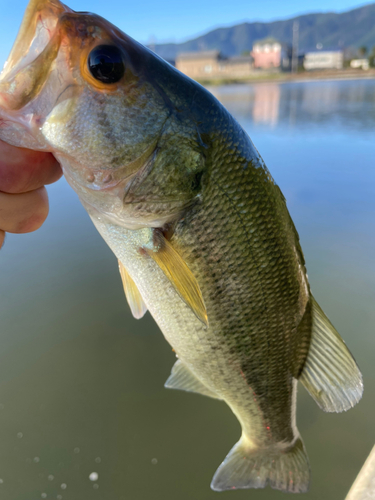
(264, 77)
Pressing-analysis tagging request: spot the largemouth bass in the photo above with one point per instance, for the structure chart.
(201, 231)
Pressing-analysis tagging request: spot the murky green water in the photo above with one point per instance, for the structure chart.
(81, 381)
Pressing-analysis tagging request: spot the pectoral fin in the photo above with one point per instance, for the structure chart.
(330, 374)
(178, 273)
(134, 298)
(182, 378)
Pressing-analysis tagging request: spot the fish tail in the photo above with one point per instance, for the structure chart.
(284, 468)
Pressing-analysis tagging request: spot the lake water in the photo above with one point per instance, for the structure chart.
(81, 381)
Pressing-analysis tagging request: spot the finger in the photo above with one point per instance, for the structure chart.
(23, 170)
(23, 213)
(2, 238)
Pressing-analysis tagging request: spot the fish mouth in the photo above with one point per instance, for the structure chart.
(36, 47)
(36, 30)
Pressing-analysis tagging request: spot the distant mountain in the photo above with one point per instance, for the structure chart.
(354, 28)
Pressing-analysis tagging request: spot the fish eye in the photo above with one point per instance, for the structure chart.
(106, 63)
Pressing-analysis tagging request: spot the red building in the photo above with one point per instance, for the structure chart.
(270, 53)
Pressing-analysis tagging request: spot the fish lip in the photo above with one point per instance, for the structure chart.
(37, 29)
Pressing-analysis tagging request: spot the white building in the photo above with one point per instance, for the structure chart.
(360, 63)
(324, 59)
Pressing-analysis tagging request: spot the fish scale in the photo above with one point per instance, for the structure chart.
(245, 334)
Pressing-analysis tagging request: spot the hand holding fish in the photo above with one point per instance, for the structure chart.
(23, 197)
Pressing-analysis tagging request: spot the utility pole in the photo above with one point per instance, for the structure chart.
(152, 42)
(295, 47)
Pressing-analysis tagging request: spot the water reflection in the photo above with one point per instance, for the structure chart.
(347, 104)
(266, 104)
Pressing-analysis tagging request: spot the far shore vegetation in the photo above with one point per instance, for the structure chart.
(268, 76)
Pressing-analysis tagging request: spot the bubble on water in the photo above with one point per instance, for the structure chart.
(59, 497)
(154, 461)
(94, 476)
(44, 495)
(1, 481)
(95, 486)
(36, 459)
(20, 435)
(98, 460)
(76, 450)
(51, 477)
(63, 486)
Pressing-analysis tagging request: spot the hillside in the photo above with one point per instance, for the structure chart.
(354, 28)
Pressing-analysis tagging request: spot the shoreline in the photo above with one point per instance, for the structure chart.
(305, 76)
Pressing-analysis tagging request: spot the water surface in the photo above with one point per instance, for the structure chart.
(81, 381)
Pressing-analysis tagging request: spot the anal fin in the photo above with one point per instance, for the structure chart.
(134, 298)
(182, 378)
(330, 373)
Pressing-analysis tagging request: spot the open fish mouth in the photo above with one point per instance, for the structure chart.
(36, 30)
(36, 47)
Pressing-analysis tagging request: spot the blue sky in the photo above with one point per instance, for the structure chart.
(173, 20)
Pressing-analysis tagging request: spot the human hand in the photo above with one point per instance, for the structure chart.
(23, 197)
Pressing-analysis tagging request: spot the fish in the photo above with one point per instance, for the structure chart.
(201, 231)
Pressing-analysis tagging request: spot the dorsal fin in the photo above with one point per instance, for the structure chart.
(178, 273)
(330, 374)
(134, 298)
(182, 378)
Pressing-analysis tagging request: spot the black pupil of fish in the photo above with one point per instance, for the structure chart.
(106, 64)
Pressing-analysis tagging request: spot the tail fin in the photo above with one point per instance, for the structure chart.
(283, 469)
